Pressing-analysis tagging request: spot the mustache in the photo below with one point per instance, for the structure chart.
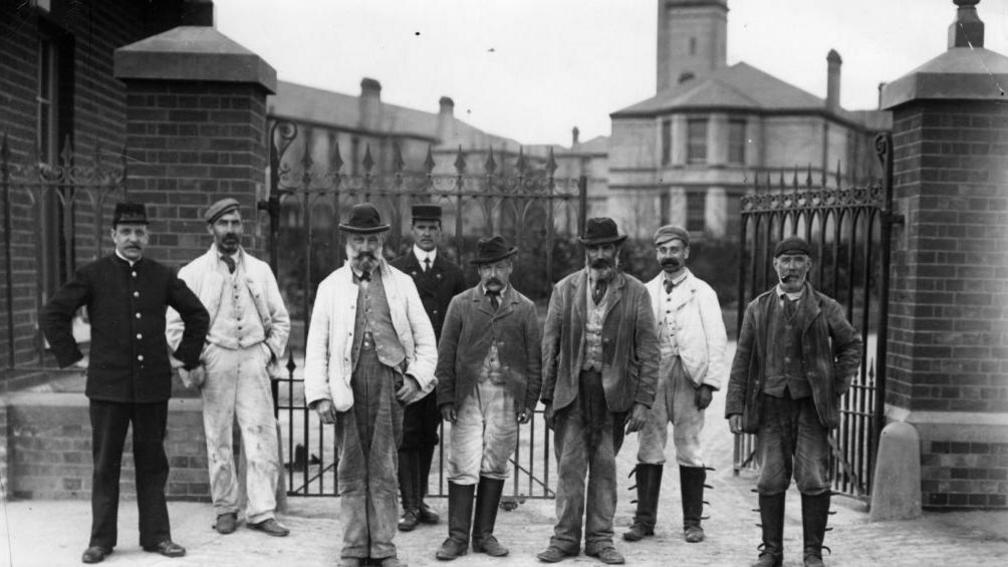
(670, 263)
(601, 263)
(364, 255)
(230, 238)
(494, 281)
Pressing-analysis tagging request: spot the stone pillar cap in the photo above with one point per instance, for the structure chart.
(961, 73)
(193, 53)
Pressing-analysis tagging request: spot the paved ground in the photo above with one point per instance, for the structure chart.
(51, 534)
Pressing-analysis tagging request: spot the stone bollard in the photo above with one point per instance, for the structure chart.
(896, 488)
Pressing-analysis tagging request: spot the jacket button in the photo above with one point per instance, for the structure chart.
(140, 357)
(133, 273)
(138, 315)
(139, 336)
(136, 294)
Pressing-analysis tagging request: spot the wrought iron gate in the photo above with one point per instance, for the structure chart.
(311, 186)
(850, 228)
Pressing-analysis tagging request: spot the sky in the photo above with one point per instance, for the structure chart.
(530, 70)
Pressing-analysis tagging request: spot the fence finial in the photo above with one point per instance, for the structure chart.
(337, 158)
(520, 164)
(808, 178)
(368, 162)
(460, 164)
(66, 156)
(397, 160)
(838, 174)
(429, 160)
(794, 180)
(551, 164)
(490, 165)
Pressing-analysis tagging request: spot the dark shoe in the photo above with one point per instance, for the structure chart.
(815, 514)
(772, 521)
(452, 549)
(691, 487)
(490, 546)
(607, 555)
(648, 488)
(226, 523)
(554, 554)
(95, 554)
(168, 548)
(488, 497)
(426, 515)
(409, 520)
(271, 527)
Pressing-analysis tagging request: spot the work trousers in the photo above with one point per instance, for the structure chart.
(484, 434)
(237, 386)
(675, 401)
(586, 448)
(369, 434)
(791, 439)
(109, 421)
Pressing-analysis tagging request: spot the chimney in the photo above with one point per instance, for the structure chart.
(833, 63)
(445, 119)
(370, 104)
(967, 30)
(575, 133)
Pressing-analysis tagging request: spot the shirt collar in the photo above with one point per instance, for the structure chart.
(124, 259)
(237, 255)
(781, 294)
(421, 254)
(502, 292)
(678, 280)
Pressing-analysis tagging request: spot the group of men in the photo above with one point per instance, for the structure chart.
(395, 348)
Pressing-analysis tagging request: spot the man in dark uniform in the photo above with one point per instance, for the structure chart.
(129, 375)
(438, 280)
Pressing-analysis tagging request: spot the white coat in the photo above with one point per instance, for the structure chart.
(204, 279)
(700, 331)
(328, 363)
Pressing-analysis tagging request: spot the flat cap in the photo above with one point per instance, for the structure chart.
(671, 232)
(792, 245)
(219, 209)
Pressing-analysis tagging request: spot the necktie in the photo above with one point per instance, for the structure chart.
(494, 299)
(790, 306)
(229, 262)
(426, 262)
(669, 285)
(599, 292)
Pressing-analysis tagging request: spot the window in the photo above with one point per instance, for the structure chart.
(696, 210)
(696, 140)
(666, 142)
(47, 124)
(736, 141)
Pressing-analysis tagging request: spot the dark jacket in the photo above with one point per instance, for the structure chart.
(629, 343)
(831, 354)
(129, 353)
(436, 287)
(471, 327)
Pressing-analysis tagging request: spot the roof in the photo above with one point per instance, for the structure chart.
(740, 86)
(338, 110)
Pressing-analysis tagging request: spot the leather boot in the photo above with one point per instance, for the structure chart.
(488, 498)
(424, 457)
(407, 490)
(815, 513)
(772, 519)
(691, 487)
(460, 508)
(648, 487)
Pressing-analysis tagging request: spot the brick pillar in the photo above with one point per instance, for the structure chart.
(948, 325)
(195, 133)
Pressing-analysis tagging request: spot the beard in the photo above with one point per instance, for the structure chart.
(229, 242)
(600, 264)
(362, 260)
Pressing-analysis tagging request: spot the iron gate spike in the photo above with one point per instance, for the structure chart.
(460, 163)
(337, 159)
(520, 164)
(368, 162)
(429, 161)
(397, 160)
(490, 165)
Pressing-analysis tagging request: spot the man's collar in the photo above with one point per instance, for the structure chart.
(502, 291)
(790, 295)
(676, 280)
(421, 254)
(124, 259)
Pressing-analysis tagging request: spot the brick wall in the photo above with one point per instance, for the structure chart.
(49, 438)
(948, 326)
(191, 144)
(91, 113)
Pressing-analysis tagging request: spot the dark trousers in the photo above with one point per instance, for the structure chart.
(791, 440)
(109, 421)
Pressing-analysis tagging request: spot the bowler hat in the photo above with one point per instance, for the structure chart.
(426, 213)
(364, 219)
(792, 245)
(601, 230)
(129, 213)
(490, 250)
(670, 232)
(219, 209)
